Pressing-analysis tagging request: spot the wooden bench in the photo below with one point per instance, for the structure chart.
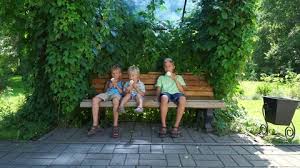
(199, 95)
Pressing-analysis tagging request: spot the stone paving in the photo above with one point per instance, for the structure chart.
(141, 148)
(142, 133)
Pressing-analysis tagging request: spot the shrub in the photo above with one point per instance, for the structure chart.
(295, 91)
(264, 89)
(230, 119)
(256, 97)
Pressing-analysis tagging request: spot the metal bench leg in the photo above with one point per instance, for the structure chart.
(199, 114)
(102, 112)
(208, 118)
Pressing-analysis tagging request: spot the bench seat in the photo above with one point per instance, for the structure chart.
(153, 103)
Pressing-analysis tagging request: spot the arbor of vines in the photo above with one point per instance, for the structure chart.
(61, 43)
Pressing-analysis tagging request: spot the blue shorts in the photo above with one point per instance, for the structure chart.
(134, 96)
(173, 97)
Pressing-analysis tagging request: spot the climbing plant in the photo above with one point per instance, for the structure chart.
(60, 43)
(223, 32)
(55, 42)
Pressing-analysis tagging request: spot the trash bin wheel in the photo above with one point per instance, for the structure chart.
(290, 132)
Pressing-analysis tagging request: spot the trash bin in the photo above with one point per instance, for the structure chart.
(279, 111)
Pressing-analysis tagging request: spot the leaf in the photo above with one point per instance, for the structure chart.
(224, 15)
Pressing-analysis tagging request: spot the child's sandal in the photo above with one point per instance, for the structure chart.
(115, 132)
(94, 130)
(175, 132)
(162, 132)
(139, 110)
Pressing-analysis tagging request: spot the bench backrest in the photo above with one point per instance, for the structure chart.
(197, 86)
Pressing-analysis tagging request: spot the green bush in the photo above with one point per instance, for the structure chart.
(9, 61)
(5, 108)
(285, 84)
(256, 96)
(286, 77)
(230, 119)
(264, 89)
(295, 91)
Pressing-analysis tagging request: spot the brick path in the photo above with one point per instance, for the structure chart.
(143, 149)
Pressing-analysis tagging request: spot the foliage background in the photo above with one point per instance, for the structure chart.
(60, 43)
(277, 46)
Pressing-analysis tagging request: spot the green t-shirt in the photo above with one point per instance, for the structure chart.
(168, 85)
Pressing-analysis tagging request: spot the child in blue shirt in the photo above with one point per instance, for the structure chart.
(114, 91)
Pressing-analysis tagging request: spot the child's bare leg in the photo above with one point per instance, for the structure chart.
(116, 102)
(139, 100)
(180, 110)
(95, 110)
(125, 99)
(163, 109)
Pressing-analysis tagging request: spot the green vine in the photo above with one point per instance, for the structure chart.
(224, 32)
(60, 43)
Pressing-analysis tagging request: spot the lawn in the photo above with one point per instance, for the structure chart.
(254, 107)
(11, 99)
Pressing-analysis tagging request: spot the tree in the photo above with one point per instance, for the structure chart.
(278, 46)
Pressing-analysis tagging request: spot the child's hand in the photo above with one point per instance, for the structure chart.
(129, 89)
(134, 85)
(173, 76)
(114, 83)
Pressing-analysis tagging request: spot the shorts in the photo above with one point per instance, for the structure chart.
(108, 97)
(173, 97)
(134, 96)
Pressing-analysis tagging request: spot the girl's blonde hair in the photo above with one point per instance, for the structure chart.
(134, 70)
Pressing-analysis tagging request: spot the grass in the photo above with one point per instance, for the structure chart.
(254, 109)
(11, 99)
(249, 88)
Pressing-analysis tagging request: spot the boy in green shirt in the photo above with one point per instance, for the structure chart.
(170, 87)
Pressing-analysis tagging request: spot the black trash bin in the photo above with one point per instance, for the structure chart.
(279, 111)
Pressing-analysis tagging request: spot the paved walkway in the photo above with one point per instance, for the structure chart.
(140, 147)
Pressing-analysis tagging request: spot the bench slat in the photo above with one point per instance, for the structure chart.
(152, 87)
(187, 76)
(151, 81)
(187, 93)
(199, 104)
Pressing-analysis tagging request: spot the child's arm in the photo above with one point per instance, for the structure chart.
(157, 93)
(128, 88)
(119, 89)
(158, 85)
(179, 86)
(179, 83)
(107, 85)
(140, 91)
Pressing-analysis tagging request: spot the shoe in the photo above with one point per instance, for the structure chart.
(94, 130)
(175, 132)
(139, 110)
(115, 132)
(162, 132)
